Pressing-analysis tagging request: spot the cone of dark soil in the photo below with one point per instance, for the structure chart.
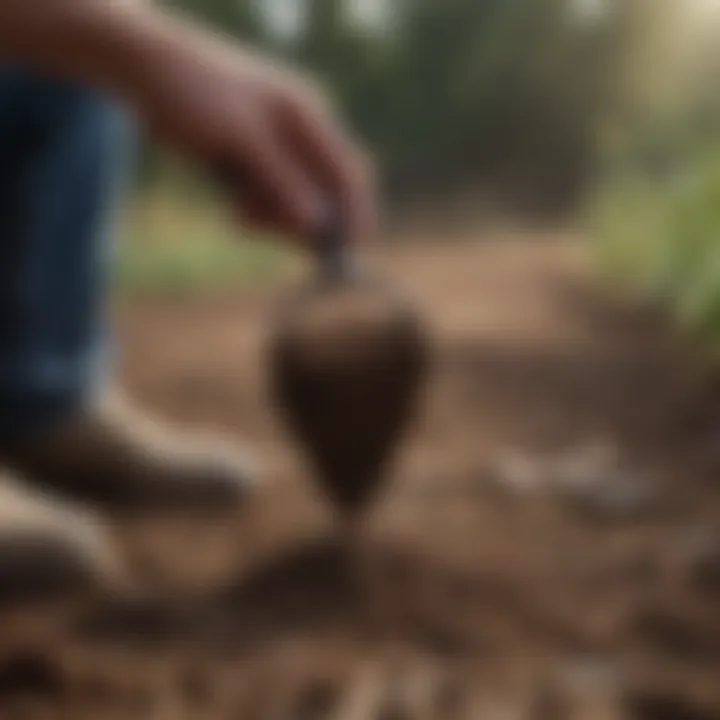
(347, 363)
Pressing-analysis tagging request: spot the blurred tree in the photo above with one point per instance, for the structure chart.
(238, 18)
(457, 92)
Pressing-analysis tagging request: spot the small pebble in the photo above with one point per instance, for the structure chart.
(590, 477)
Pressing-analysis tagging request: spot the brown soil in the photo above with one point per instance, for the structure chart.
(467, 600)
(346, 367)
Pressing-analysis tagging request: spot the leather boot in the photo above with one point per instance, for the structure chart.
(120, 459)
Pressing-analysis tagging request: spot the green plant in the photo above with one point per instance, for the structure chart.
(173, 243)
(660, 237)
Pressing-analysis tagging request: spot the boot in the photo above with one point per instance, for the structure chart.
(119, 459)
(49, 551)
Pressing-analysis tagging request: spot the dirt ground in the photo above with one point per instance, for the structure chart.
(484, 588)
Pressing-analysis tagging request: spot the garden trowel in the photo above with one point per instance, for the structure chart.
(347, 363)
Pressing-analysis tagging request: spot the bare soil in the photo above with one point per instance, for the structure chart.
(469, 597)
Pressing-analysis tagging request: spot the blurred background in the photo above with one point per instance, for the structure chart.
(598, 110)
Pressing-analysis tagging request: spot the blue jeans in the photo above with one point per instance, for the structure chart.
(62, 152)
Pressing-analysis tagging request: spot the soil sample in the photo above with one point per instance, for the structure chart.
(347, 364)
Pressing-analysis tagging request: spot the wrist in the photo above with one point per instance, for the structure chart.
(96, 41)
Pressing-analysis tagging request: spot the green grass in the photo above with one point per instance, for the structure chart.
(171, 243)
(660, 239)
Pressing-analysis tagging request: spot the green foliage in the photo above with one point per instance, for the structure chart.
(173, 244)
(461, 89)
(660, 237)
(452, 92)
(657, 216)
(194, 265)
(236, 18)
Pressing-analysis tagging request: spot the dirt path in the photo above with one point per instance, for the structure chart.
(549, 546)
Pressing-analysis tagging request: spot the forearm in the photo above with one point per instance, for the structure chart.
(104, 42)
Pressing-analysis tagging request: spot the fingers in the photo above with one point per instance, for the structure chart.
(299, 165)
(338, 167)
(280, 194)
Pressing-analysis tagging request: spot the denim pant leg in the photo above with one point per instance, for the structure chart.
(62, 152)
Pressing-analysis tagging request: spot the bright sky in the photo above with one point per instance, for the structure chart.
(589, 9)
(283, 15)
(286, 15)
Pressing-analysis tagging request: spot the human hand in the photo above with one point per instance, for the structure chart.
(252, 120)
